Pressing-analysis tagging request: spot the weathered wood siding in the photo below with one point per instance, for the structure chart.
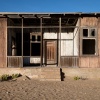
(98, 36)
(3, 42)
(89, 62)
(89, 21)
(69, 61)
(15, 62)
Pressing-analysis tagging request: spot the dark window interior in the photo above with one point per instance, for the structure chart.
(88, 46)
(35, 49)
(85, 32)
(33, 38)
(38, 38)
(27, 39)
(92, 32)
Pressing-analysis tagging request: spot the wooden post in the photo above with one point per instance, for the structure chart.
(41, 41)
(59, 43)
(22, 42)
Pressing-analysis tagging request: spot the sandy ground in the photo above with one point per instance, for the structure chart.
(70, 89)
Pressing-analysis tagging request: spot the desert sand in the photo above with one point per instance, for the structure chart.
(30, 89)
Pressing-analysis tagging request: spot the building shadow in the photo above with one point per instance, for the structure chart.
(62, 75)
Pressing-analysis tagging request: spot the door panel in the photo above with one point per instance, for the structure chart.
(51, 52)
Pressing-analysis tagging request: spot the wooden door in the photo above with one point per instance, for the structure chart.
(51, 52)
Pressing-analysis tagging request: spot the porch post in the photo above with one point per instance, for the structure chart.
(41, 42)
(22, 42)
(59, 43)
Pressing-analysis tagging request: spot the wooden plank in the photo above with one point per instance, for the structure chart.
(15, 62)
(69, 61)
(99, 62)
(98, 21)
(93, 62)
(89, 21)
(98, 41)
(84, 62)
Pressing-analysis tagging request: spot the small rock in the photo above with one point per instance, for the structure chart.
(7, 92)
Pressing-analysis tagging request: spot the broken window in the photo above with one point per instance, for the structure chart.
(89, 41)
(35, 43)
(27, 37)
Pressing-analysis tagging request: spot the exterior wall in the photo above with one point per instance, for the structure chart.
(67, 44)
(50, 35)
(98, 36)
(89, 21)
(69, 61)
(83, 61)
(3, 42)
(70, 48)
(76, 42)
(15, 61)
(89, 61)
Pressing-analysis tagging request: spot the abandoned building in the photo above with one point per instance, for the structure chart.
(43, 39)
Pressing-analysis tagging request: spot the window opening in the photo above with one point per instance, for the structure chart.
(92, 33)
(85, 32)
(89, 41)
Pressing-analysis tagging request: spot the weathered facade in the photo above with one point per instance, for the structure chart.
(38, 40)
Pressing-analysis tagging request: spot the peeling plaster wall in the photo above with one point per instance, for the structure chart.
(66, 48)
(50, 35)
(70, 46)
(76, 42)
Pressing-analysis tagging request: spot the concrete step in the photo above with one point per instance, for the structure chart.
(50, 74)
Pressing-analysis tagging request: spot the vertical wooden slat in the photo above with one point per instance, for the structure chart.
(69, 61)
(14, 61)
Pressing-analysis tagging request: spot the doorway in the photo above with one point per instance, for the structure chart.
(51, 52)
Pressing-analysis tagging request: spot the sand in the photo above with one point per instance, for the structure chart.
(70, 89)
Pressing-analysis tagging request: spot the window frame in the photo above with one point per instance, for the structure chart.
(89, 37)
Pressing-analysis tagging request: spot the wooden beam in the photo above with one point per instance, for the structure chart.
(59, 43)
(41, 42)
